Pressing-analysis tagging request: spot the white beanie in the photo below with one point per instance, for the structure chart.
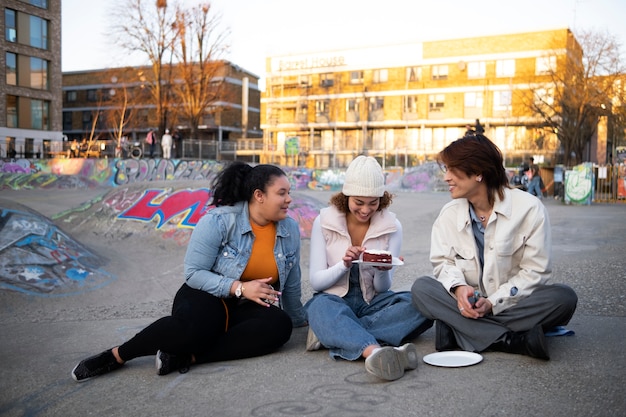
(364, 178)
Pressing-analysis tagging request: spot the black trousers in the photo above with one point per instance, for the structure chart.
(212, 329)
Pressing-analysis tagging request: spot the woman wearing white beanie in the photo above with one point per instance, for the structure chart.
(353, 313)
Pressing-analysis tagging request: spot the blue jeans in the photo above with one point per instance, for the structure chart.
(348, 325)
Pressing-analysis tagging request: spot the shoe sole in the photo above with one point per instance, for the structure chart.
(409, 357)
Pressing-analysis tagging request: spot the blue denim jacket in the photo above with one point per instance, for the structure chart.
(220, 248)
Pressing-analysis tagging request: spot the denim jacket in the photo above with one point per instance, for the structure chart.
(220, 248)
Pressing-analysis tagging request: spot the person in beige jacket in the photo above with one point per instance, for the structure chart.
(491, 257)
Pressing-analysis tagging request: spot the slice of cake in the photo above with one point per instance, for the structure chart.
(377, 255)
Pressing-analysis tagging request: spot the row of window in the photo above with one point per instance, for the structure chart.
(26, 29)
(505, 68)
(27, 113)
(26, 71)
(436, 102)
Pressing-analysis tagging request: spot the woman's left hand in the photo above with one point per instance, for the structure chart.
(260, 291)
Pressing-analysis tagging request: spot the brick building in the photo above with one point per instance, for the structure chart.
(30, 79)
(92, 100)
(403, 103)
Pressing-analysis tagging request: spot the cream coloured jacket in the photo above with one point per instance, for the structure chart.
(517, 250)
(329, 241)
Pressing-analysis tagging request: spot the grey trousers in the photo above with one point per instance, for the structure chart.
(548, 305)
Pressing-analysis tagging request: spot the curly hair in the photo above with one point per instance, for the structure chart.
(340, 201)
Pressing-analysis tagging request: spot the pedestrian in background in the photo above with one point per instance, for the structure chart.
(166, 144)
(491, 256)
(178, 144)
(151, 141)
(534, 182)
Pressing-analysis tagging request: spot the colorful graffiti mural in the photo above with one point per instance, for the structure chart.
(91, 173)
(36, 257)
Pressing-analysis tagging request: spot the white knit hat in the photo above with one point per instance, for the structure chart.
(364, 178)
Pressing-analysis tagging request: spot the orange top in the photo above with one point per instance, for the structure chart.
(262, 263)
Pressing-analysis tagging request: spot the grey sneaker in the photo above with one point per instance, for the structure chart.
(389, 363)
(95, 365)
(312, 342)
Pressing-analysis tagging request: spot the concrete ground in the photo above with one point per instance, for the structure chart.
(43, 337)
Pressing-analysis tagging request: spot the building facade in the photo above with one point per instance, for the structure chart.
(95, 100)
(404, 103)
(30, 82)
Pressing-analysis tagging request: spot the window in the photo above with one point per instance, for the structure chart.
(474, 100)
(476, 70)
(71, 96)
(544, 97)
(353, 110)
(322, 107)
(11, 68)
(414, 73)
(545, 65)
(39, 3)
(356, 77)
(10, 26)
(436, 102)
(381, 75)
(86, 120)
(304, 80)
(505, 68)
(12, 111)
(376, 103)
(327, 80)
(501, 100)
(38, 73)
(410, 104)
(92, 95)
(302, 112)
(38, 32)
(439, 72)
(67, 120)
(40, 115)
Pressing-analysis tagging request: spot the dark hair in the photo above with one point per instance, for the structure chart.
(238, 181)
(477, 155)
(340, 200)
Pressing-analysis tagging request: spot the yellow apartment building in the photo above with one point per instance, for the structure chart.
(404, 103)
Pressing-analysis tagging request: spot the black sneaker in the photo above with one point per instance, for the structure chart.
(95, 365)
(168, 362)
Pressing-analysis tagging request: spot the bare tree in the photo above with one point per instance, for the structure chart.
(199, 46)
(581, 83)
(147, 26)
(123, 99)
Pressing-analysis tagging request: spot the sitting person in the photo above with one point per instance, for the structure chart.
(490, 249)
(353, 312)
(243, 255)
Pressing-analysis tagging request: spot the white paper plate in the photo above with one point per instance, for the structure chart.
(394, 262)
(453, 359)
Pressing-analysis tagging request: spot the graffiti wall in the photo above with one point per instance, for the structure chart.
(36, 257)
(78, 172)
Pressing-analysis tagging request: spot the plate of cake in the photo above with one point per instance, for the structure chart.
(376, 257)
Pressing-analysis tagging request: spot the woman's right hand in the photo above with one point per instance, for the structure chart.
(260, 291)
(352, 254)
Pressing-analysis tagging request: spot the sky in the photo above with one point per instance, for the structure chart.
(263, 28)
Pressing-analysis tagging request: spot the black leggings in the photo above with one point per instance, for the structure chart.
(198, 326)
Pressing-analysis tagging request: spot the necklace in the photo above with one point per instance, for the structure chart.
(482, 218)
